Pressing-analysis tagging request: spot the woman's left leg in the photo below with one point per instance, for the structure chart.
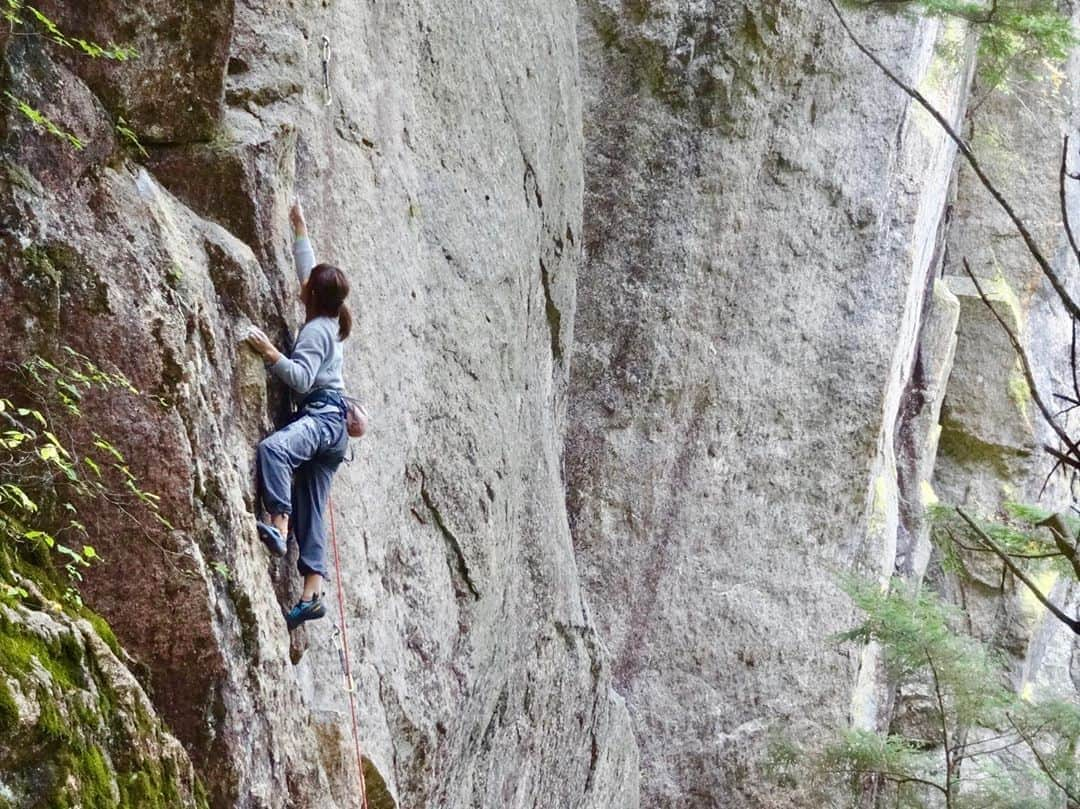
(312, 490)
(310, 505)
(311, 493)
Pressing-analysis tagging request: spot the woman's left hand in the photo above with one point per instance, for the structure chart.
(261, 344)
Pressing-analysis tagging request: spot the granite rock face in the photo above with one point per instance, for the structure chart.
(650, 323)
(762, 351)
(757, 251)
(445, 175)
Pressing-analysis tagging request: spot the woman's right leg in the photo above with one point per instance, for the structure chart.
(278, 456)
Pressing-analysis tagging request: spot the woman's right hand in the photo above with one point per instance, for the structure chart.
(296, 217)
(261, 344)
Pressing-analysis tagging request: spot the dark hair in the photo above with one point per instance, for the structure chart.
(327, 288)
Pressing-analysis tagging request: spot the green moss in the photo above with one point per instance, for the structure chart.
(103, 630)
(19, 650)
(38, 262)
(9, 711)
(245, 613)
(153, 788)
(1019, 391)
(174, 275)
(83, 778)
(51, 726)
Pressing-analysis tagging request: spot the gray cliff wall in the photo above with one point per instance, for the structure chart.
(760, 215)
(762, 350)
(651, 325)
(446, 177)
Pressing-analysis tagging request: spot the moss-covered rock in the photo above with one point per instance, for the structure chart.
(76, 730)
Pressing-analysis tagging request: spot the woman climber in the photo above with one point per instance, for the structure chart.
(297, 463)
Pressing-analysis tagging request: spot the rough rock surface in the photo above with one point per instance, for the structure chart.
(446, 177)
(991, 430)
(733, 402)
(757, 250)
(78, 730)
(761, 354)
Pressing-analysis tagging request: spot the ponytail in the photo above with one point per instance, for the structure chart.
(344, 322)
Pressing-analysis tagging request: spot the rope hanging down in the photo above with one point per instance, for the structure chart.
(341, 634)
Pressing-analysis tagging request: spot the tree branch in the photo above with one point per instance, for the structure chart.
(1065, 543)
(1062, 174)
(962, 145)
(1073, 798)
(1016, 571)
(1025, 366)
(944, 731)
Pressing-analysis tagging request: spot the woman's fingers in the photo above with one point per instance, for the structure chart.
(258, 340)
(296, 215)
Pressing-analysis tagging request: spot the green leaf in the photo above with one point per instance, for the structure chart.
(13, 438)
(101, 443)
(18, 496)
(13, 592)
(40, 536)
(34, 414)
(76, 557)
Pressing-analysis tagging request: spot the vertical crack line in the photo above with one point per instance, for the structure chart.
(554, 315)
(451, 541)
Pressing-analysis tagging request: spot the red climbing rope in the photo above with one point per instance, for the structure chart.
(346, 667)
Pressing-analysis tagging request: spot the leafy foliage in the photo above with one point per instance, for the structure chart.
(49, 473)
(128, 134)
(1020, 530)
(1015, 36)
(19, 13)
(976, 744)
(916, 631)
(41, 121)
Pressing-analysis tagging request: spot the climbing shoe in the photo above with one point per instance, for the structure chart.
(305, 611)
(272, 539)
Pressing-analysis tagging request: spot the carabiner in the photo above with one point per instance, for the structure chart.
(327, 98)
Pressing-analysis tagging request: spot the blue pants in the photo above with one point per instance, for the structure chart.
(296, 465)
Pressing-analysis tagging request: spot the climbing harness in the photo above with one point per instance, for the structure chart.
(341, 638)
(327, 98)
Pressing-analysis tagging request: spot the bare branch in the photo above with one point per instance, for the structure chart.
(949, 752)
(1062, 174)
(1025, 366)
(1016, 571)
(1065, 543)
(1073, 798)
(962, 145)
(1061, 456)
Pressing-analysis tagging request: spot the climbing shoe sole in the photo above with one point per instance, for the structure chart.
(304, 611)
(272, 539)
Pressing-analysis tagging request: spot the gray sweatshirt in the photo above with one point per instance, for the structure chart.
(316, 358)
